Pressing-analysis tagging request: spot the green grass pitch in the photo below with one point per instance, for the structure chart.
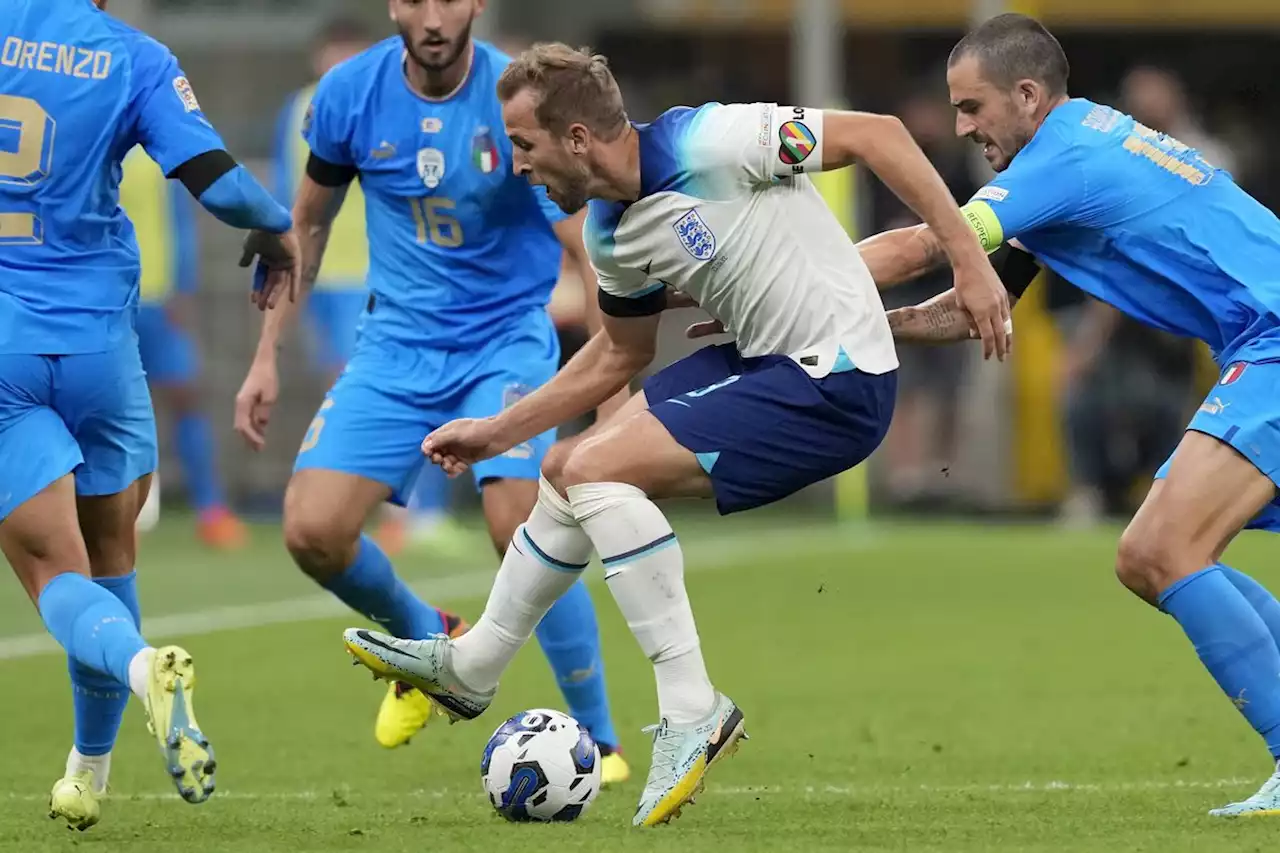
(914, 687)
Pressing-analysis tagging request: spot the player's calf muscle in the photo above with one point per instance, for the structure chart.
(107, 525)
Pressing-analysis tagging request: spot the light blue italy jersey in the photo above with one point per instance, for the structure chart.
(78, 90)
(1144, 223)
(460, 247)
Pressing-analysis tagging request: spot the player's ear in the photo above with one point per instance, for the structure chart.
(1029, 94)
(578, 138)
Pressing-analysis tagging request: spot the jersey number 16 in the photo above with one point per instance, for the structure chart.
(25, 164)
(433, 222)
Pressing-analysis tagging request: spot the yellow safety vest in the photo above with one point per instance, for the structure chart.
(166, 232)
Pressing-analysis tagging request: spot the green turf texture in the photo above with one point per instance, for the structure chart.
(916, 687)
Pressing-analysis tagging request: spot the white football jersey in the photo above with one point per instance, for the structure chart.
(727, 215)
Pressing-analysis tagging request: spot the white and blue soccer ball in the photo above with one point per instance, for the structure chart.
(541, 765)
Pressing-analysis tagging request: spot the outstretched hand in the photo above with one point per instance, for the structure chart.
(459, 444)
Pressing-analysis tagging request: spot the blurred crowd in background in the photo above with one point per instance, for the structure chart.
(1071, 428)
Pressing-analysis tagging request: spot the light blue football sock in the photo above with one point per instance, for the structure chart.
(1233, 643)
(94, 626)
(98, 699)
(1258, 596)
(370, 586)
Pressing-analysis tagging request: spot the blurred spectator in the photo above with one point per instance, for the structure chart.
(922, 440)
(1126, 389)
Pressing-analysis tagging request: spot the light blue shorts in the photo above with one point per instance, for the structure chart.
(391, 395)
(90, 414)
(1243, 410)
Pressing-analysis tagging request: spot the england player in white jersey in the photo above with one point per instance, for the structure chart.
(715, 203)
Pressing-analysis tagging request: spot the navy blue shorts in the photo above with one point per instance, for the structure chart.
(762, 428)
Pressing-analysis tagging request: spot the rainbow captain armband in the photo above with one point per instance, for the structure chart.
(797, 139)
(984, 222)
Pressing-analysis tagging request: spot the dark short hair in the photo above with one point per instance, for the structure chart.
(572, 86)
(1016, 47)
(343, 30)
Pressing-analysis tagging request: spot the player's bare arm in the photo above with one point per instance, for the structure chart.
(939, 320)
(569, 232)
(901, 255)
(885, 146)
(604, 366)
(314, 210)
(942, 319)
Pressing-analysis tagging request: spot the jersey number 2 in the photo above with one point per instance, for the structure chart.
(443, 230)
(24, 164)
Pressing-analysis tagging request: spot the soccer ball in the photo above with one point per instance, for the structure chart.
(540, 765)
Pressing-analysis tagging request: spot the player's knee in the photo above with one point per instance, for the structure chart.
(1145, 562)
(319, 543)
(588, 462)
(317, 546)
(553, 464)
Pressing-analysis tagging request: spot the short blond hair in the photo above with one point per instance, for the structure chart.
(573, 86)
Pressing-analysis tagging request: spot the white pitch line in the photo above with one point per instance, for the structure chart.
(700, 556)
(834, 791)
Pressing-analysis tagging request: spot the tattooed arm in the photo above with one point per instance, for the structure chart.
(320, 197)
(942, 320)
(314, 210)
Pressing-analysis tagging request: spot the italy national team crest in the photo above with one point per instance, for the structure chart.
(695, 236)
(1233, 372)
(484, 151)
(431, 166)
(797, 141)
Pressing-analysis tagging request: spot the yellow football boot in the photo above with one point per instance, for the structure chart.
(75, 799)
(171, 717)
(614, 769)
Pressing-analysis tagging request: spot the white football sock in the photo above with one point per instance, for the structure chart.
(547, 555)
(644, 568)
(140, 672)
(99, 765)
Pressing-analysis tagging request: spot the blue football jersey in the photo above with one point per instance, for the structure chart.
(1142, 222)
(458, 244)
(78, 90)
